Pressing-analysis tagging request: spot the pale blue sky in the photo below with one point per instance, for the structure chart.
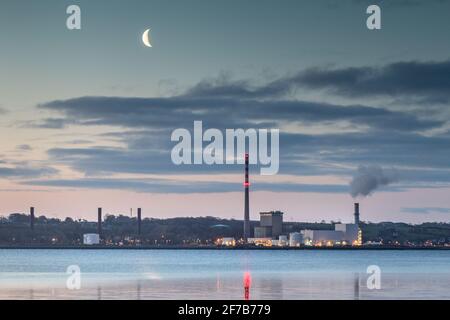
(197, 39)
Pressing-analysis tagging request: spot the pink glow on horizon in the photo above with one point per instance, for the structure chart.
(314, 207)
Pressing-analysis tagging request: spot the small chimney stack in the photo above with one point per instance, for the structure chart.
(32, 218)
(99, 222)
(357, 213)
(139, 221)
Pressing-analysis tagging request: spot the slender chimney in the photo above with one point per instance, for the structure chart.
(357, 213)
(32, 218)
(246, 202)
(99, 222)
(139, 220)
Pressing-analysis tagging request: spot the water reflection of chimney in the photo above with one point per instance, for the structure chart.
(356, 286)
(99, 293)
(138, 290)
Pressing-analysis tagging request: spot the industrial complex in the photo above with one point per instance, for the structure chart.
(270, 229)
(268, 233)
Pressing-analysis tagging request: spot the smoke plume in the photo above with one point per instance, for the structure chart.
(368, 178)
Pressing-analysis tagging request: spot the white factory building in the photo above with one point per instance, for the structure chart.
(295, 239)
(343, 234)
(269, 233)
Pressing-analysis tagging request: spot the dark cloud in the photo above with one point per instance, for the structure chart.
(80, 141)
(148, 151)
(375, 148)
(302, 155)
(222, 102)
(388, 138)
(176, 112)
(50, 123)
(22, 172)
(424, 79)
(103, 160)
(429, 80)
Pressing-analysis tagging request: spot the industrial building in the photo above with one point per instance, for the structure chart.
(269, 233)
(270, 225)
(295, 239)
(343, 234)
(272, 222)
(270, 229)
(322, 237)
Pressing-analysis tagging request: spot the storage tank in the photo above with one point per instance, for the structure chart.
(282, 241)
(295, 239)
(91, 238)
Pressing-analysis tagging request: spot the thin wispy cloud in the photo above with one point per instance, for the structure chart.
(426, 210)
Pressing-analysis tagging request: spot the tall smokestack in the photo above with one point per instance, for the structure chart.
(139, 221)
(246, 204)
(32, 218)
(357, 213)
(99, 222)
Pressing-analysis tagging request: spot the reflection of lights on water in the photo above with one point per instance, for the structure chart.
(247, 284)
(247, 279)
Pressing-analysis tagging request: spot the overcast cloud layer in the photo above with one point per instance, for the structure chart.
(414, 142)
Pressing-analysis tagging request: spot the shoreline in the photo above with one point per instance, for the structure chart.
(174, 247)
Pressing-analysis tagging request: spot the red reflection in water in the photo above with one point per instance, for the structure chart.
(247, 284)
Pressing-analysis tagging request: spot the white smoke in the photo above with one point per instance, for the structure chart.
(369, 178)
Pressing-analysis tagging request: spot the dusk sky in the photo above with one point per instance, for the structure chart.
(87, 115)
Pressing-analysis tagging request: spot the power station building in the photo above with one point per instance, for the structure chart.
(270, 225)
(343, 234)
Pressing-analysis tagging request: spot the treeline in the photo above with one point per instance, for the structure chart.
(15, 230)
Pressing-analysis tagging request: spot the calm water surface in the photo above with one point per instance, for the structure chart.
(214, 274)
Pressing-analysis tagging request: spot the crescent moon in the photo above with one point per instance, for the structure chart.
(146, 38)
